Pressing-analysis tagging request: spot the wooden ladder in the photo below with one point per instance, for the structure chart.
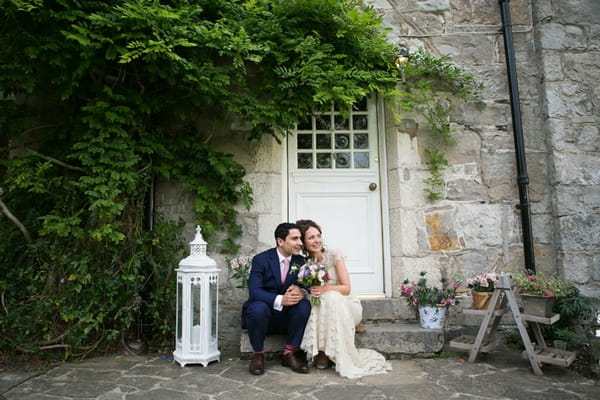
(486, 336)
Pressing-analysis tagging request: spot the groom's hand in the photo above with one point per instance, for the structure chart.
(292, 296)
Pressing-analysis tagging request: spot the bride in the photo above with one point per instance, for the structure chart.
(329, 334)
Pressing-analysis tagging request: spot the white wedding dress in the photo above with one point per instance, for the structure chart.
(331, 328)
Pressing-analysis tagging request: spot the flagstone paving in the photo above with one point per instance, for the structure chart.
(499, 375)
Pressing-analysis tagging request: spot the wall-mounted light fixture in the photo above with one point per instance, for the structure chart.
(402, 58)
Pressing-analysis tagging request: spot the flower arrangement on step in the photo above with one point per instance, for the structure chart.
(484, 282)
(539, 291)
(541, 284)
(419, 293)
(240, 270)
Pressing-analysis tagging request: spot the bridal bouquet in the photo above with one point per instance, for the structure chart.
(312, 274)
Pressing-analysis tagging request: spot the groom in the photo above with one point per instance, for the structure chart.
(276, 304)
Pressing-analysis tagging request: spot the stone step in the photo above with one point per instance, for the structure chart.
(394, 340)
(387, 310)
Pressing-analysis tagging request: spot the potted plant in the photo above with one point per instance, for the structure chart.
(539, 291)
(431, 301)
(482, 287)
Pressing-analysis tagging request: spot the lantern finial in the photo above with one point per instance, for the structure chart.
(198, 245)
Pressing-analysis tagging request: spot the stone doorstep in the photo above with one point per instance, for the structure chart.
(394, 340)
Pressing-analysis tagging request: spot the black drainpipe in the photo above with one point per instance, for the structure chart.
(522, 179)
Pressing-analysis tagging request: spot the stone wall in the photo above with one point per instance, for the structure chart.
(567, 34)
(476, 227)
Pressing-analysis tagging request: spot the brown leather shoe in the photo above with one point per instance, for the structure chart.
(257, 364)
(295, 362)
(322, 361)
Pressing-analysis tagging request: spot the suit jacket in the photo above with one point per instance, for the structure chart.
(265, 277)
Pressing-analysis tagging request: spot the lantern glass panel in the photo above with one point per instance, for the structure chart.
(179, 309)
(196, 311)
(213, 288)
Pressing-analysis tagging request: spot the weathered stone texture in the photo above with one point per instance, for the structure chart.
(572, 168)
(568, 100)
(561, 37)
(577, 11)
(499, 174)
(579, 232)
(582, 67)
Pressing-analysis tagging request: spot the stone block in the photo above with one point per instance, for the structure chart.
(594, 37)
(568, 199)
(541, 228)
(582, 67)
(568, 136)
(596, 267)
(537, 171)
(481, 225)
(576, 267)
(265, 188)
(387, 310)
(467, 147)
(571, 169)
(433, 5)
(495, 113)
(441, 233)
(470, 49)
(555, 36)
(394, 340)
(579, 232)
(418, 23)
(591, 198)
(386, 5)
(465, 189)
(552, 65)
(499, 175)
(578, 11)
(568, 100)
(469, 12)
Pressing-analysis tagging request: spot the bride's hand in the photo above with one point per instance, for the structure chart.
(316, 290)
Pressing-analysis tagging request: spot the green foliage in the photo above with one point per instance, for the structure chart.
(99, 99)
(576, 312)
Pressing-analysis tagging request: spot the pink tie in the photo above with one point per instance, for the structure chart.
(284, 269)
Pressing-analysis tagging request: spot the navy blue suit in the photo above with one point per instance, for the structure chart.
(258, 314)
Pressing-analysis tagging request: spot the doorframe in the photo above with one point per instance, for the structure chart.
(384, 198)
(383, 174)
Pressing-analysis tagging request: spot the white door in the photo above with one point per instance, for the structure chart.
(333, 166)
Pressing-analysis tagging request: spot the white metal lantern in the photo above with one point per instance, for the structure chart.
(197, 331)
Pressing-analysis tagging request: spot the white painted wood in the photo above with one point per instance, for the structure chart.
(341, 199)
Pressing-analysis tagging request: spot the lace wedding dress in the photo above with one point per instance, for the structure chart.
(331, 328)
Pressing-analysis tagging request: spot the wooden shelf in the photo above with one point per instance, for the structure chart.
(541, 320)
(472, 311)
(485, 339)
(466, 342)
(550, 355)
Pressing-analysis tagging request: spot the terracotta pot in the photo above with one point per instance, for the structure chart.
(481, 300)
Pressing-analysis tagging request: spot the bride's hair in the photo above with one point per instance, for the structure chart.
(304, 225)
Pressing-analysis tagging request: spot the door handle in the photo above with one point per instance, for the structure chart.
(372, 186)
